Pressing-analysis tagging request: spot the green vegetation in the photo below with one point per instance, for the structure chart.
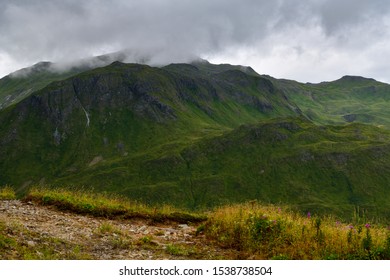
(147, 113)
(349, 99)
(325, 169)
(21, 84)
(179, 250)
(268, 232)
(200, 135)
(100, 205)
(7, 193)
(106, 227)
(196, 137)
(329, 169)
(245, 231)
(117, 238)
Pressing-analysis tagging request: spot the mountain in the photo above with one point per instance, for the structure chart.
(200, 135)
(126, 109)
(20, 84)
(349, 99)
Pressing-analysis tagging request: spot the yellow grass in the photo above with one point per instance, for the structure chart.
(110, 206)
(268, 232)
(7, 193)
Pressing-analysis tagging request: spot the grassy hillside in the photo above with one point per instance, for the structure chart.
(21, 84)
(331, 169)
(201, 135)
(322, 169)
(349, 99)
(124, 111)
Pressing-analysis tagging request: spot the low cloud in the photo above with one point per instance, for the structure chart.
(320, 34)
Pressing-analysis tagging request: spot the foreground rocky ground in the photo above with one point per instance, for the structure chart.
(31, 231)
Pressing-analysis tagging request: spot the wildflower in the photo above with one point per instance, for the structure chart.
(308, 215)
(338, 223)
(367, 225)
(279, 210)
(350, 226)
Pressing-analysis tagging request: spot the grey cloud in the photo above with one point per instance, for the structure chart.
(337, 15)
(178, 30)
(64, 28)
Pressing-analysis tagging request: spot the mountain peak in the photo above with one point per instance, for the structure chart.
(39, 67)
(354, 79)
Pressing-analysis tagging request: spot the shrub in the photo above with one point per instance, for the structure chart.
(7, 193)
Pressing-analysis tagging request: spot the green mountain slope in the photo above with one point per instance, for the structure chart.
(349, 99)
(20, 84)
(199, 135)
(322, 169)
(327, 169)
(123, 110)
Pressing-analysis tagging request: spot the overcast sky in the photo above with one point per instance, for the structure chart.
(308, 41)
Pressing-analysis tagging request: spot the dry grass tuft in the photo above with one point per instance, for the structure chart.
(7, 193)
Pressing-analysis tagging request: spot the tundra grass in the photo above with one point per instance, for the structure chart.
(7, 193)
(109, 206)
(269, 232)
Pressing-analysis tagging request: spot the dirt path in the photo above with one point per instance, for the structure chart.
(99, 238)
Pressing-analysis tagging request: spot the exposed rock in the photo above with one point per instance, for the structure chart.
(57, 137)
(339, 158)
(183, 226)
(95, 160)
(306, 156)
(350, 117)
(121, 147)
(31, 243)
